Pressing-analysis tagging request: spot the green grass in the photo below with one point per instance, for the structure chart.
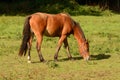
(103, 33)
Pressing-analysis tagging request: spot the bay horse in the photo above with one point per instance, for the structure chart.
(52, 25)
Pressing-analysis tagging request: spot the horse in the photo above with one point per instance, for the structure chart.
(52, 25)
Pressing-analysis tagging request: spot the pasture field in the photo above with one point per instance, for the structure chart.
(103, 33)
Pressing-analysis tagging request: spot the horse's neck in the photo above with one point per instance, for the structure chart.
(78, 34)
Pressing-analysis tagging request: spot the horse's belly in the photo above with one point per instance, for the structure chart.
(46, 33)
(51, 33)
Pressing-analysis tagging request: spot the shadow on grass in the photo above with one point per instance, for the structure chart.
(100, 56)
(59, 60)
(34, 62)
(93, 57)
(73, 58)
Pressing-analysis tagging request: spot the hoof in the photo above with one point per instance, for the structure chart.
(55, 60)
(72, 59)
(29, 61)
(42, 60)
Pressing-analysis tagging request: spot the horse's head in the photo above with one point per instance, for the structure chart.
(82, 42)
(84, 50)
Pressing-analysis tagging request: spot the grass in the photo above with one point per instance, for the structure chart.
(103, 33)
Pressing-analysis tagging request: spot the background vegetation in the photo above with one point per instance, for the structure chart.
(73, 7)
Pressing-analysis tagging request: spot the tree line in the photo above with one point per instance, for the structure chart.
(54, 6)
(103, 4)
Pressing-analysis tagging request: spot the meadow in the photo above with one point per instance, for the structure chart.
(103, 33)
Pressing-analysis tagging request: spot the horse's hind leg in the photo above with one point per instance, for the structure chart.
(67, 48)
(59, 46)
(38, 46)
(29, 48)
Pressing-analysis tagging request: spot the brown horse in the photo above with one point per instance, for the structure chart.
(60, 25)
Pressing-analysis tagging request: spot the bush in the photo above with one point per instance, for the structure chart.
(21, 7)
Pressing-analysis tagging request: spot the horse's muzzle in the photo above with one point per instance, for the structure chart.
(87, 58)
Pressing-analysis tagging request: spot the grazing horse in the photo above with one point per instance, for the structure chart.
(53, 25)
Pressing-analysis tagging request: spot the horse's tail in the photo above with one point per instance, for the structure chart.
(26, 37)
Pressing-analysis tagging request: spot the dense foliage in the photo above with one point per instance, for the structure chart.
(21, 7)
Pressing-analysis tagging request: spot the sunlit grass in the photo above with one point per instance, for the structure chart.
(103, 33)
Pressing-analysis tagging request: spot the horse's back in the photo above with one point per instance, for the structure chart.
(52, 24)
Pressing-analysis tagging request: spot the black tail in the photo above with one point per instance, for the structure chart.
(26, 37)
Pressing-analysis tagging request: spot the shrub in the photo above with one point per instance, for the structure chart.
(21, 7)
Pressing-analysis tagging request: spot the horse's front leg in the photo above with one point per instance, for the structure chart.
(59, 46)
(67, 48)
(38, 46)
